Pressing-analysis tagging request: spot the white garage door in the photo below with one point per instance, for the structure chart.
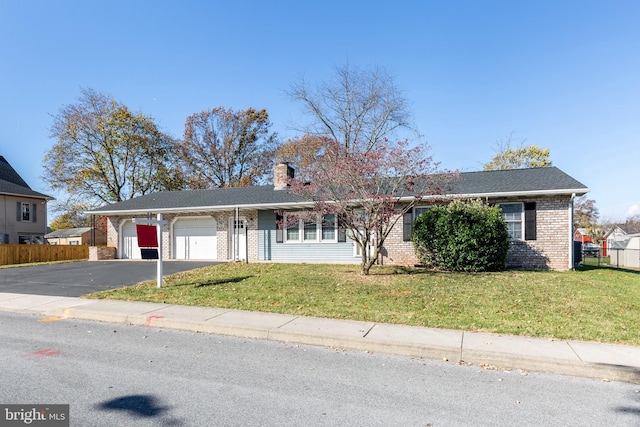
(129, 241)
(194, 238)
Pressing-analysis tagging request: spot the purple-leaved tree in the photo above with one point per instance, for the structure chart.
(367, 190)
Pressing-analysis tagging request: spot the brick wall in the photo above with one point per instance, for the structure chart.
(97, 253)
(222, 232)
(550, 250)
(552, 247)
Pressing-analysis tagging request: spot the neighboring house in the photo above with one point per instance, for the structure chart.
(618, 238)
(76, 236)
(23, 212)
(581, 235)
(620, 230)
(241, 223)
(624, 251)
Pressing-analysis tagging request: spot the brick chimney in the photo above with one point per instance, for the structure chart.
(281, 173)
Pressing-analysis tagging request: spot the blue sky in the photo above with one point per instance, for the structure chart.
(562, 74)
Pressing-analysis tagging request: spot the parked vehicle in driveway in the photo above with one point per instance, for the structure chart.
(590, 249)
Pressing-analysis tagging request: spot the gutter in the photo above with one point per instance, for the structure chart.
(185, 209)
(530, 193)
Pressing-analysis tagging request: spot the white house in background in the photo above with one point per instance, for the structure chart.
(623, 245)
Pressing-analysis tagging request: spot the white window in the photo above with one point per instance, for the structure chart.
(322, 230)
(293, 230)
(419, 210)
(329, 227)
(310, 231)
(26, 212)
(513, 215)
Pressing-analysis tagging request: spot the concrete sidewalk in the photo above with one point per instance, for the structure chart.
(584, 359)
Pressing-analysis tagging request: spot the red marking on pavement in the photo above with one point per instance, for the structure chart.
(47, 352)
(150, 318)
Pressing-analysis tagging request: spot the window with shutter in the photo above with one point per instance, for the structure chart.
(512, 214)
(530, 221)
(342, 232)
(520, 219)
(25, 212)
(279, 229)
(407, 226)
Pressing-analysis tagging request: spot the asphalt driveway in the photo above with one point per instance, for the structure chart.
(75, 279)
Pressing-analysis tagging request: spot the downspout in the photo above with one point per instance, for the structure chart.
(236, 232)
(93, 231)
(5, 215)
(571, 254)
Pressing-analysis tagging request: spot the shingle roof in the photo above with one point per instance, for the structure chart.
(539, 181)
(12, 183)
(67, 232)
(549, 179)
(629, 228)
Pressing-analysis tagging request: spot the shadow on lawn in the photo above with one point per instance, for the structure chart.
(586, 267)
(222, 281)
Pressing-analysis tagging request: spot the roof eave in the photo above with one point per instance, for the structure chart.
(187, 209)
(493, 195)
(32, 196)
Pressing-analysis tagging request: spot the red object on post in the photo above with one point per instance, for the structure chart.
(147, 236)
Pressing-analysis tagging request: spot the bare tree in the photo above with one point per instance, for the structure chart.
(356, 106)
(226, 148)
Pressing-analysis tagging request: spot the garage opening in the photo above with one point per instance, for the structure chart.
(195, 238)
(129, 241)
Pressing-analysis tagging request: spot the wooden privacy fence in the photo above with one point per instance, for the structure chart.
(24, 254)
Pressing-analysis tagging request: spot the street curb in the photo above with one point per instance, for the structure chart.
(470, 348)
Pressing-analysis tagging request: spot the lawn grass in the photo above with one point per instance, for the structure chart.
(595, 304)
(32, 264)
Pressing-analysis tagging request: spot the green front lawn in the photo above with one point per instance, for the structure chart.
(596, 304)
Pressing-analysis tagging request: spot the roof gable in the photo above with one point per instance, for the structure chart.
(9, 174)
(12, 183)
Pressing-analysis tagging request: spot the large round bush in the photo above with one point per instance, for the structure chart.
(462, 236)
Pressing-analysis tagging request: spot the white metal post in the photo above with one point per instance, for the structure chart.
(159, 269)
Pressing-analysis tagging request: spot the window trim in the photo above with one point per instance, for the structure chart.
(422, 208)
(409, 219)
(521, 221)
(301, 229)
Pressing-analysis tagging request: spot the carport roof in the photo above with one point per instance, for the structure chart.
(506, 183)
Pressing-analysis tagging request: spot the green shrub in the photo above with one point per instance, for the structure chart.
(462, 236)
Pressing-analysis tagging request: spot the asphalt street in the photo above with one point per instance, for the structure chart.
(120, 375)
(75, 279)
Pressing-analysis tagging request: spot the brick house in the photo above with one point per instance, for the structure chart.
(240, 223)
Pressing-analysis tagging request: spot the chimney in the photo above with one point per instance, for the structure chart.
(281, 173)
